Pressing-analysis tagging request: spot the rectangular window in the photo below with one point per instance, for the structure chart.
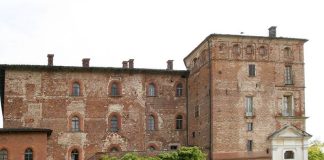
(249, 106)
(249, 145)
(251, 70)
(197, 111)
(287, 106)
(250, 126)
(288, 75)
(173, 147)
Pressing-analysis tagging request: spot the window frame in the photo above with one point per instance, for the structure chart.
(289, 75)
(249, 145)
(114, 89)
(3, 154)
(179, 122)
(75, 124)
(114, 123)
(75, 152)
(179, 90)
(288, 156)
(252, 70)
(288, 105)
(151, 123)
(152, 92)
(28, 155)
(250, 126)
(76, 89)
(249, 106)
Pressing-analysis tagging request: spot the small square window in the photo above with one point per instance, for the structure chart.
(173, 147)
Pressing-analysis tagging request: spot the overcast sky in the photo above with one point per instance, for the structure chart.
(152, 32)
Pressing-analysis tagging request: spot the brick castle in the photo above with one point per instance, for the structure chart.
(241, 97)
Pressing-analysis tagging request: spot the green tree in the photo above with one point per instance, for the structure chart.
(315, 152)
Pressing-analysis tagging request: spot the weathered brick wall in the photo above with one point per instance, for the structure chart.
(199, 100)
(231, 84)
(42, 98)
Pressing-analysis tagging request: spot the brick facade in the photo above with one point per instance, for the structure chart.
(231, 81)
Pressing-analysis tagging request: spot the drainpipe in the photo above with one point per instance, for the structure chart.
(210, 102)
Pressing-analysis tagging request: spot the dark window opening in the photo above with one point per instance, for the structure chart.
(251, 70)
(173, 147)
(28, 154)
(75, 155)
(114, 149)
(179, 122)
(249, 145)
(289, 155)
(250, 127)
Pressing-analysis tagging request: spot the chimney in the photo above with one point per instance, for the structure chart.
(50, 59)
(272, 31)
(85, 62)
(170, 65)
(131, 63)
(125, 64)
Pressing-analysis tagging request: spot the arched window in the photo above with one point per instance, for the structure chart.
(221, 47)
(151, 148)
(76, 89)
(75, 122)
(179, 122)
(289, 155)
(114, 124)
(3, 154)
(236, 49)
(262, 51)
(151, 90)
(114, 149)
(151, 123)
(28, 154)
(179, 90)
(249, 49)
(75, 154)
(114, 89)
(287, 52)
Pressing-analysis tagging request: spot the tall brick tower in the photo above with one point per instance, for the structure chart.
(246, 94)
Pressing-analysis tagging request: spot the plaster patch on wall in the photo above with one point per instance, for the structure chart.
(114, 139)
(69, 139)
(33, 115)
(115, 108)
(74, 107)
